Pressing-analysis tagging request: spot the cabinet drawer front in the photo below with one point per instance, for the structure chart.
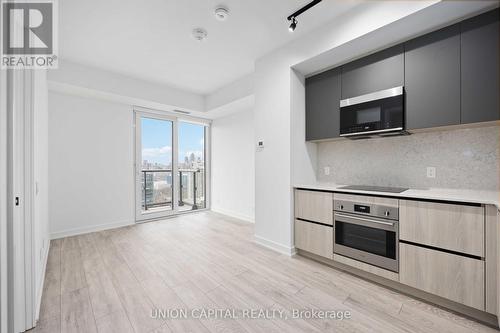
(314, 238)
(314, 206)
(366, 267)
(457, 228)
(458, 278)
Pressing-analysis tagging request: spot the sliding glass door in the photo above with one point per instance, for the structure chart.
(171, 170)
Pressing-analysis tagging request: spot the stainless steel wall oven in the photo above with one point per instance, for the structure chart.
(367, 232)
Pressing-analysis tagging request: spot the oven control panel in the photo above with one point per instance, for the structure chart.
(386, 212)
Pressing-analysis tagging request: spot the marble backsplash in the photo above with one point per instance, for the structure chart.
(463, 158)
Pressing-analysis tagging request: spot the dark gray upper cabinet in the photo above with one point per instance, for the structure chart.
(379, 71)
(432, 79)
(480, 57)
(323, 105)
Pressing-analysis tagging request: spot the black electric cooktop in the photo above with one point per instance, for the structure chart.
(373, 188)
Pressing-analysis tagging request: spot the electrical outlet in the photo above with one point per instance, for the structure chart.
(431, 172)
(326, 170)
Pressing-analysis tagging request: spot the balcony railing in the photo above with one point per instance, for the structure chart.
(157, 189)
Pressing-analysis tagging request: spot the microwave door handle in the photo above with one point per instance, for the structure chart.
(365, 220)
(374, 132)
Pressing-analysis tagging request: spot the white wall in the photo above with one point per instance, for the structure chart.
(91, 172)
(272, 164)
(40, 163)
(233, 165)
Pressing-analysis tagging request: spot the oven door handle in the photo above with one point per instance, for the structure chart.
(365, 220)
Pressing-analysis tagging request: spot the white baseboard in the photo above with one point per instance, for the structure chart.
(86, 230)
(283, 249)
(40, 283)
(236, 215)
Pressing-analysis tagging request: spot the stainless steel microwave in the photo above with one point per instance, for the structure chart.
(381, 112)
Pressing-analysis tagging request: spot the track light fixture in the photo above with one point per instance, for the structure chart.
(293, 25)
(293, 17)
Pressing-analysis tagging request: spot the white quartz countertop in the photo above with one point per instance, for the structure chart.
(457, 195)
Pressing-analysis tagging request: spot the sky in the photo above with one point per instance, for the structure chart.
(157, 140)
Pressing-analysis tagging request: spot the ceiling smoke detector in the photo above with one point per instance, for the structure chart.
(221, 13)
(200, 34)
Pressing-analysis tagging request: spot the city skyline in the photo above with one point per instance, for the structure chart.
(191, 161)
(156, 135)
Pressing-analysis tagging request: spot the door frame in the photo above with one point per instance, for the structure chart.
(3, 204)
(175, 118)
(21, 302)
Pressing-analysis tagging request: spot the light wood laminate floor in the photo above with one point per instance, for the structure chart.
(110, 281)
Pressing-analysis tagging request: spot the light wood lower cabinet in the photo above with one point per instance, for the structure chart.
(314, 206)
(452, 227)
(457, 278)
(448, 250)
(492, 258)
(314, 238)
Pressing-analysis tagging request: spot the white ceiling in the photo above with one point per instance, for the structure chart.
(151, 39)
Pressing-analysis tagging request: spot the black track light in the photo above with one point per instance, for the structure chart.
(293, 25)
(293, 17)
